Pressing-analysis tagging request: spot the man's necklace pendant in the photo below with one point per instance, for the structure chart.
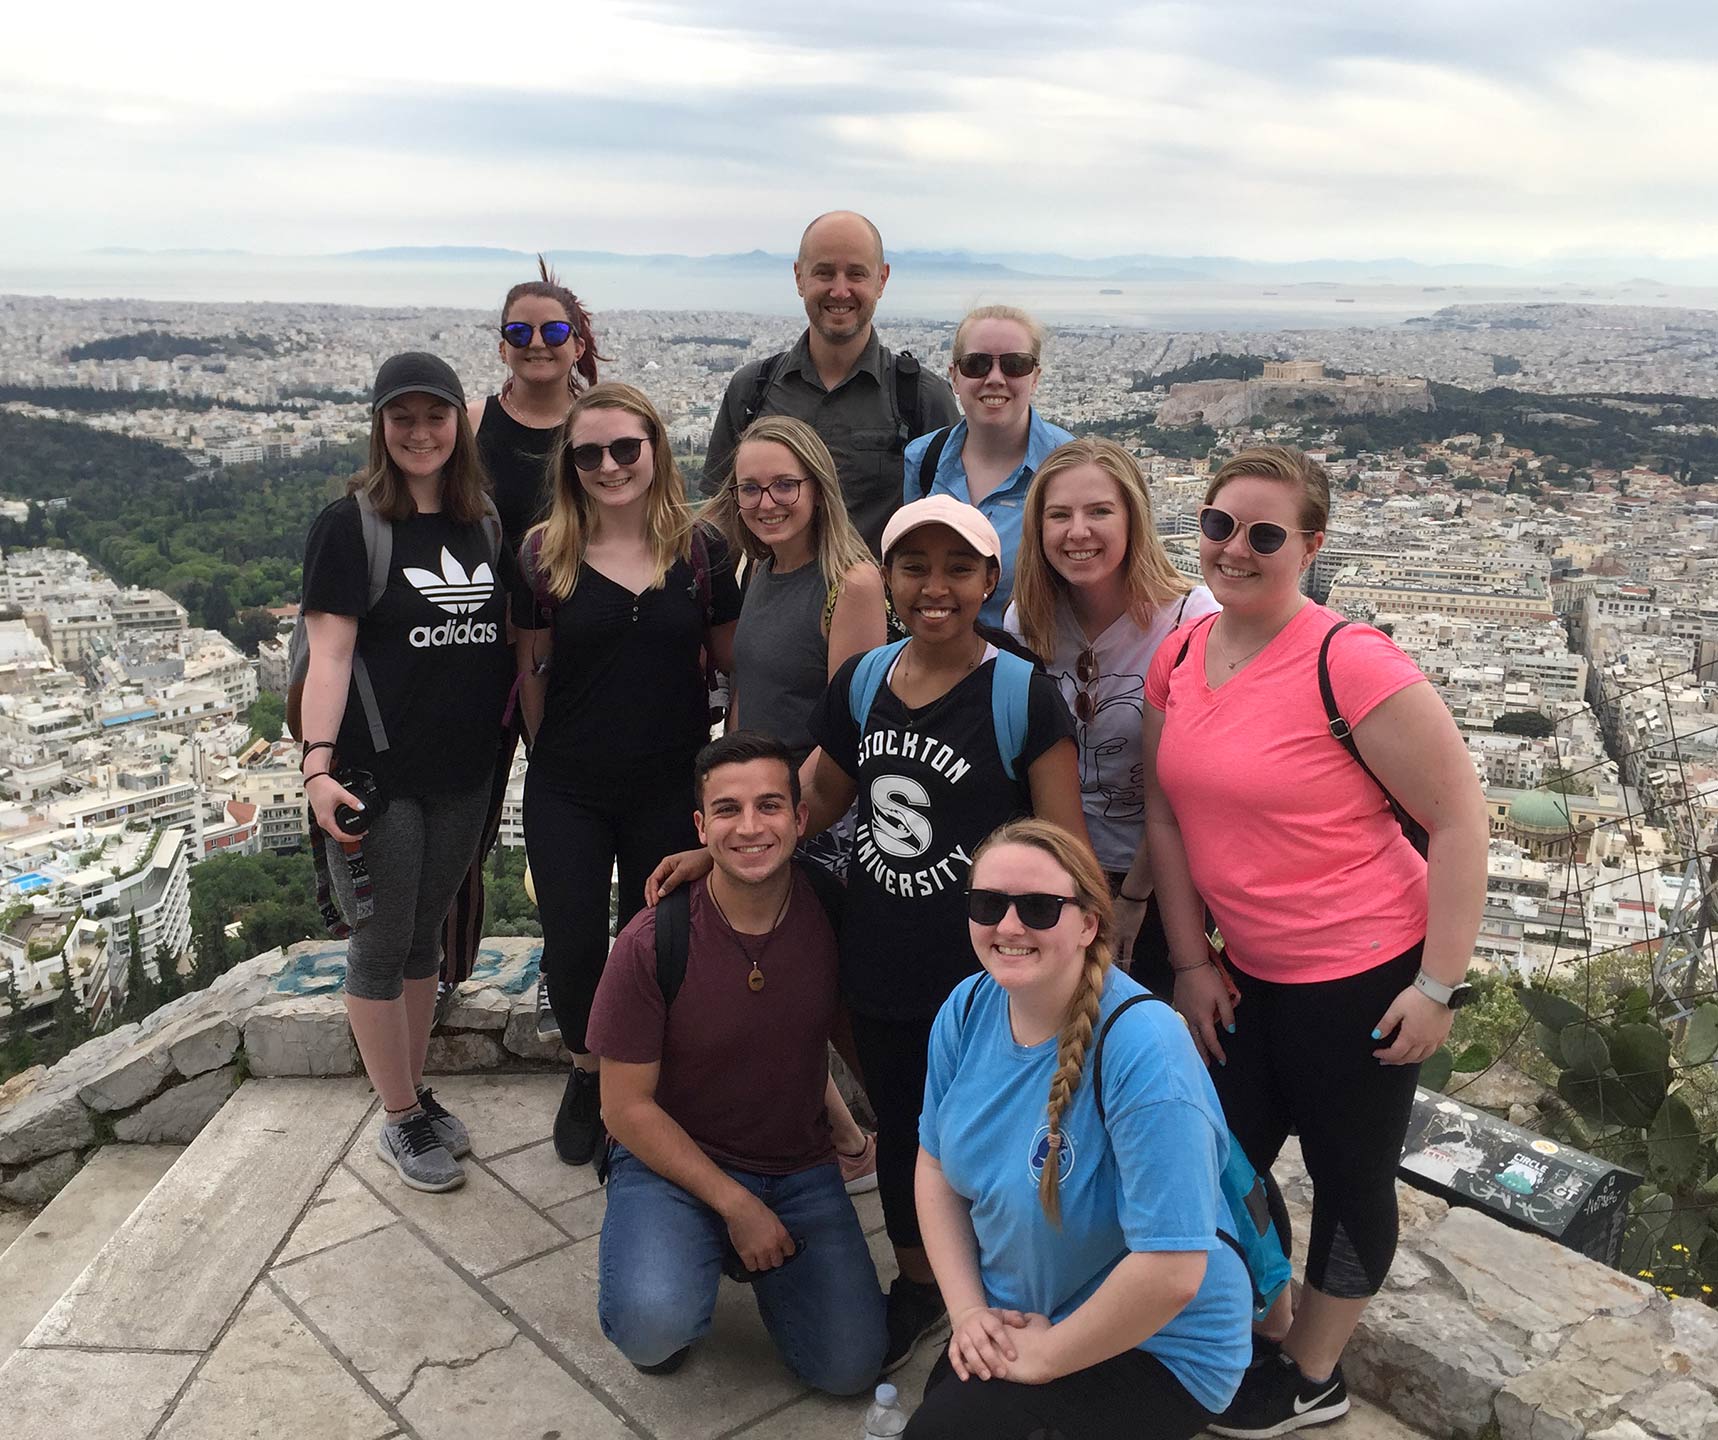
(755, 980)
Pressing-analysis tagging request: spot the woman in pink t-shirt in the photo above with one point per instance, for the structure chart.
(1346, 950)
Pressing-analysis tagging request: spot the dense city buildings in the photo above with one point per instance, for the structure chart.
(1566, 612)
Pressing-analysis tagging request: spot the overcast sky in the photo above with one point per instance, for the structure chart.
(1508, 130)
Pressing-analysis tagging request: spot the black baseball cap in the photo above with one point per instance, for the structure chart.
(416, 371)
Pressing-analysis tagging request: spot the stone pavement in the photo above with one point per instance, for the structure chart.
(280, 1282)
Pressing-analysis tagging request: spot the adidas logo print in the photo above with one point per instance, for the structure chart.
(452, 590)
(459, 594)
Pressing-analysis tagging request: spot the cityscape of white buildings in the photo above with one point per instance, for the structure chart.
(1576, 644)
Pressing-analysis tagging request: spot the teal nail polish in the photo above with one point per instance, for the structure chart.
(1230, 1028)
(1376, 1035)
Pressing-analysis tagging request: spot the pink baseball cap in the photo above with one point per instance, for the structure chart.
(965, 520)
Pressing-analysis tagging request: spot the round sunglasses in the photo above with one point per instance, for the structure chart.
(623, 452)
(555, 333)
(1263, 537)
(1016, 364)
(1037, 911)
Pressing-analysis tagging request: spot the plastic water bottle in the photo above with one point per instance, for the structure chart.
(885, 1419)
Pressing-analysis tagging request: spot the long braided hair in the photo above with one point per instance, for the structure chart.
(1092, 893)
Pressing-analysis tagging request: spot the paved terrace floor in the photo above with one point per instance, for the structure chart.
(281, 1282)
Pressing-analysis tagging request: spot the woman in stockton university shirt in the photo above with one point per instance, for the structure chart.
(630, 598)
(550, 353)
(1346, 949)
(1094, 594)
(434, 649)
(917, 731)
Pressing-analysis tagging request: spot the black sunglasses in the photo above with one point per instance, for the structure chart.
(1016, 364)
(1264, 537)
(623, 452)
(555, 333)
(1037, 911)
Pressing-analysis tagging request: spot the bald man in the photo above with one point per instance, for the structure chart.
(863, 399)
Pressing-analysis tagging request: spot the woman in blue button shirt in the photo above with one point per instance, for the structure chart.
(989, 458)
(1087, 1287)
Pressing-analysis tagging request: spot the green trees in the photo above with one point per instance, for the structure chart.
(1524, 722)
(273, 897)
(266, 716)
(140, 996)
(18, 1051)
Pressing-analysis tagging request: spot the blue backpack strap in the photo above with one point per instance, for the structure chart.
(868, 677)
(1010, 691)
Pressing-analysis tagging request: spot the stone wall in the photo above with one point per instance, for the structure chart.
(162, 1079)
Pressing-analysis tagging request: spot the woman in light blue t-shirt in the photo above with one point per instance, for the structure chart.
(1078, 1249)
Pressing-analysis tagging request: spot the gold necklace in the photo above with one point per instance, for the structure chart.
(1242, 659)
(754, 980)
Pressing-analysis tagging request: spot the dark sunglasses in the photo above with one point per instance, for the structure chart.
(1016, 365)
(555, 333)
(784, 492)
(622, 451)
(1264, 537)
(1086, 672)
(1037, 911)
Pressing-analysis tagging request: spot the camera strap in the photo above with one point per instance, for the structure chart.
(363, 893)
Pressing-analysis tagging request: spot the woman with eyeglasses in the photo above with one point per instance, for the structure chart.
(988, 459)
(1095, 595)
(940, 738)
(814, 599)
(632, 601)
(549, 350)
(1346, 947)
(1070, 1150)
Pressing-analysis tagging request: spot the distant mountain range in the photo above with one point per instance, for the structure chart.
(1183, 269)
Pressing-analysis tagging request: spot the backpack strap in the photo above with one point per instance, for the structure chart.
(379, 553)
(929, 460)
(1182, 653)
(492, 535)
(1344, 735)
(1010, 695)
(868, 677)
(673, 941)
(911, 418)
(766, 377)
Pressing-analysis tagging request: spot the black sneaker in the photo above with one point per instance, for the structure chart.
(578, 1124)
(914, 1312)
(1276, 1398)
(548, 1027)
(668, 1366)
(448, 1127)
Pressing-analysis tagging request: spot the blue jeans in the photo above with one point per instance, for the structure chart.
(660, 1263)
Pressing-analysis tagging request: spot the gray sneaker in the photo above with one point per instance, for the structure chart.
(448, 1127)
(412, 1147)
(548, 1027)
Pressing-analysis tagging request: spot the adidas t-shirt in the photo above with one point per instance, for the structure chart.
(1143, 1178)
(931, 786)
(435, 646)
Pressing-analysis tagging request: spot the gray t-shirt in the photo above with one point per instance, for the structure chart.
(781, 658)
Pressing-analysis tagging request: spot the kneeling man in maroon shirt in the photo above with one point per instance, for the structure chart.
(720, 1156)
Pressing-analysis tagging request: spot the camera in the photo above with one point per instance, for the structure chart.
(362, 784)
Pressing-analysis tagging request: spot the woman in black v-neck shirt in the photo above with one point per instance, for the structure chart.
(627, 603)
(550, 352)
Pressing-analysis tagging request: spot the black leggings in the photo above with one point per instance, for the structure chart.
(462, 934)
(1132, 1396)
(574, 844)
(1301, 1058)
(893, 1057)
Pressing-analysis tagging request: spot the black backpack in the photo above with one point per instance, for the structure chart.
(1342, 733)
(674, 925)
(909, 415)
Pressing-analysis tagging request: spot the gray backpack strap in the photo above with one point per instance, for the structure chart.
(379, 549)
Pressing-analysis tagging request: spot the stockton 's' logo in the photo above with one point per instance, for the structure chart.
(453, 590)
(898, 828)
(1040, 1152)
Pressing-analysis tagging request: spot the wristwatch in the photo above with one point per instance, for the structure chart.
(1452, 997)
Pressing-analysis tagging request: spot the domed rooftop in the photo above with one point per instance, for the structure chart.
(1540, 810)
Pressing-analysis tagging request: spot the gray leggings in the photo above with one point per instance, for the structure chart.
(417, 853)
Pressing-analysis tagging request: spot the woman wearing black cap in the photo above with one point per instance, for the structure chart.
(405, 601)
